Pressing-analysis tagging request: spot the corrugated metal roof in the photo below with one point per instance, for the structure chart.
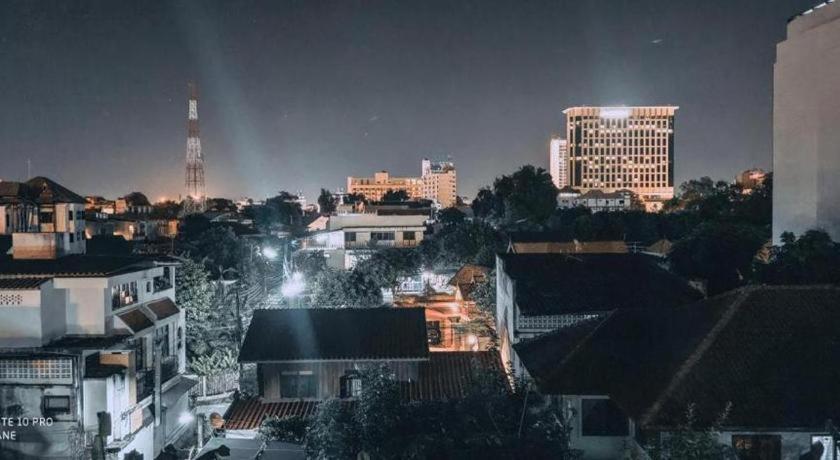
(21, 283)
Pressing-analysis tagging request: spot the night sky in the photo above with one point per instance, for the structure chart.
(296, 95)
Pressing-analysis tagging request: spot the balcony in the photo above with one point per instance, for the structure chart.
(162, 283)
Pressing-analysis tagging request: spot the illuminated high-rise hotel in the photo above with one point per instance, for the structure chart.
(616, 148)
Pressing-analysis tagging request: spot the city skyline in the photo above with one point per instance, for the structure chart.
(329, 90)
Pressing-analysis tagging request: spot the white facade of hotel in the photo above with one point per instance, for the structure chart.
(806, 125)
(614, 148)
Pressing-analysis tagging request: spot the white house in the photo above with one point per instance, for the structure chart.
(93, 343)
(538, 293)
(349, 238)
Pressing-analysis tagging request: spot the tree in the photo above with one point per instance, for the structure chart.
(310, 263)
(688, 442)
(451, 216)
(387, 266)
(813, 258)
(291, 429)
(396, 195)
(326, 201)
(331, 434)
(469, 242)
(342, 288)
(194, 294)
(527, 195)
(720, 253)
(484, 204)
(218, 248)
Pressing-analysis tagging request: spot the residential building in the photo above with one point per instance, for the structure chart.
(374, 188)
(559, 243)
(133, 203)
(304, 356)
(352, 237)
(45, 219)
(437, 182)
(558, 161)
(94, 342)
(440, 182)
(615, 148)
(806, 113)
(538, 293)
(759, 351)
(597, 201)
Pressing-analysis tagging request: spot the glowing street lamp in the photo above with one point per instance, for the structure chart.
(269, 253)
(293, 286)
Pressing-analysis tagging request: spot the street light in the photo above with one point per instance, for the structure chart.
(293, 286)
(269, 253)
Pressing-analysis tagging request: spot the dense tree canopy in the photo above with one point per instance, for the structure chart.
(813, 258)
(396, 195)
(526, 195)
(345, 288)
(326, 202)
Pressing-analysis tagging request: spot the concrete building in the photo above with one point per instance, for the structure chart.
(596, 200)
(614, 148)
(96, 343)
(558, 162)
(440, 182)
(353, 237)
(806, 114)
(437, 182)
(44, 219)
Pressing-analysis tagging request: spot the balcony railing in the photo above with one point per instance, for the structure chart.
(380, 244)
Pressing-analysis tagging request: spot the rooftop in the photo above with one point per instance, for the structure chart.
(77, 265)
(575, 283)
(444, 376)
(336, 334)
(761, 348)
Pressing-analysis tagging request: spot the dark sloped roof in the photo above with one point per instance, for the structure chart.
(136, 320)
(764, 349)
(775, 360)
(47, 191)
(16, 192)
(540, 355)
(163, 308)
(335, 334)
(21, 283)
(554, 284)
(72, 266)
(538, 237)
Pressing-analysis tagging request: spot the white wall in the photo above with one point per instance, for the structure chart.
(806, 114)
(20, 318)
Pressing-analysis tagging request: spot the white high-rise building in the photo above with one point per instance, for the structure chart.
(806, 124)
(558, 162)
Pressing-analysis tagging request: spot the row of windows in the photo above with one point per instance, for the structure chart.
(36, 369)
(350, 237)
(304, 384)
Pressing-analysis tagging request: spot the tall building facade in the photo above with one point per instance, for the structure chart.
(806, 117)
(196, 195)
(440, 182)
(437, 182)
(558, 161)
(622, 148)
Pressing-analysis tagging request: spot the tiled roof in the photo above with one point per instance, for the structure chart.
(449, 375)
(335, 334)
(21, 283)
(446, 375)
(136, 320)
(556, 284)
(248, 414)
(72, 266)
(163, 308)
(764, 349)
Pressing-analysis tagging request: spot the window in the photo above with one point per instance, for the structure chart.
(80, 215)
(349, 237)
(69, 215)
(297, 384)
(148, 286)
(140, 354)
(55, 405)
(757, 446)
(72, 237)
(433, 332)
(382, 236)
(45, 217)
(124, 294)
(602, 417)
(408, 236)
(162, 337)
(351, 384)
(180, 337)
